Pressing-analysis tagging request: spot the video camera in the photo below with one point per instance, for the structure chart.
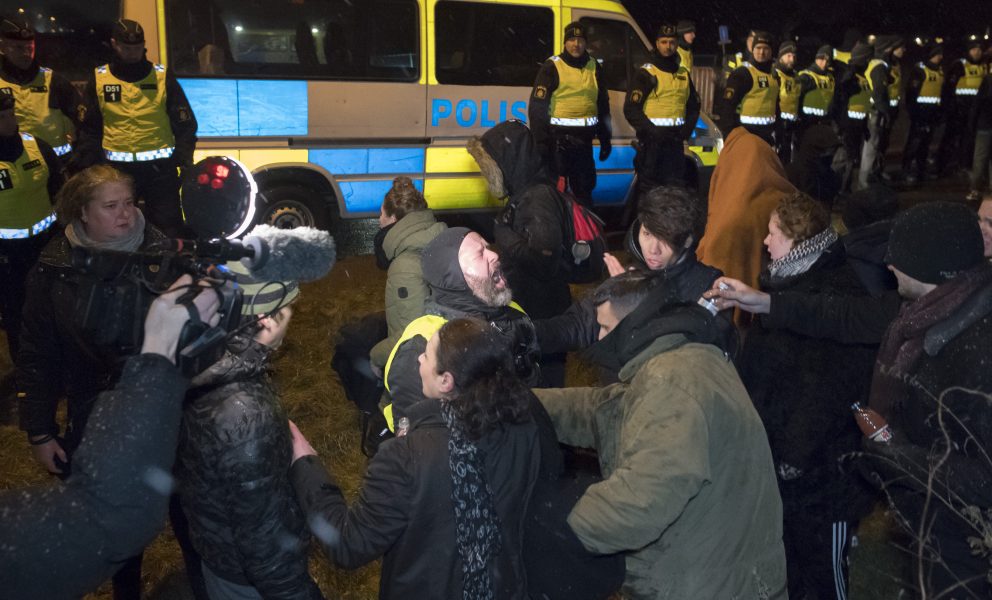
(117, 288)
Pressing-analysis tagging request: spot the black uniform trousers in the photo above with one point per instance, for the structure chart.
(572, 159)
(156, 183)
(852, 133)
(873, 152)
(659, 161)
(958, 144)
(914, 155)
(16, 259)
(786, 140)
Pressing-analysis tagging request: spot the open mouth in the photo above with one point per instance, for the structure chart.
(497, 279)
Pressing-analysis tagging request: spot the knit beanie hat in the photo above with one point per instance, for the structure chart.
(262, 297)
(685, 26)
(825, 51)
(933, 242)
(787, 47)
(575, 30)
(935, 50)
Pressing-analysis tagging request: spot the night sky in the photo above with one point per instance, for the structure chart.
(815, 21)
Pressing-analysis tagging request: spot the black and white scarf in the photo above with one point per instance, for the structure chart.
(477, 526)
(802, 256)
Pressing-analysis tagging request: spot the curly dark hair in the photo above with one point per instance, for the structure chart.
(403, 198)
(672, 214)
(801, 217)
(487, 392)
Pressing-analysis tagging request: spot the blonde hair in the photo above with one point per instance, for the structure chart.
(80, 190)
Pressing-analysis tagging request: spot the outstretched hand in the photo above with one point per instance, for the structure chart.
(301, 447)
(733, 293)
(166, 317)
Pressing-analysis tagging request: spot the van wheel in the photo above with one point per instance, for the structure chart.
(288, 206)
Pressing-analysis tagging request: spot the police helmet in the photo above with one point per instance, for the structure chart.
(16, 28)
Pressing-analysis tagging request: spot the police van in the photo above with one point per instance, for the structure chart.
(328, 100)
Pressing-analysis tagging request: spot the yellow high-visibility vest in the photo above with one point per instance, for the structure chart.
(136, 125)
(25, 208)
(32, 106)
(760, 103)
(858, 104)
(665, 106)
(972, 78)
(788, 96)
(817, 101)
(685, 57)
(933, 82)
(573, 103)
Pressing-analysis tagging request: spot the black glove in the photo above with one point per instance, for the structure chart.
(505, 216)
(605, 148)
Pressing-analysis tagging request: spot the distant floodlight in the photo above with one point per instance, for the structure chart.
(315, 31)
(239, 28)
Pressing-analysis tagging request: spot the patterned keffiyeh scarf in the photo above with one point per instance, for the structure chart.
(477, 526)
(802, 256)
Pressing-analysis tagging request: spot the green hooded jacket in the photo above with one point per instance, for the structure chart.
(689, 490)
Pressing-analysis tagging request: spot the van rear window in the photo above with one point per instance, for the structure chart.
(376, 40)
(487, 44)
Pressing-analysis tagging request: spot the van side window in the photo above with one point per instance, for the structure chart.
(618, 49)
(487, 44)
(71, 40)
(376, 40)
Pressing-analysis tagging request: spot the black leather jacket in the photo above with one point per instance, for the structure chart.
(233, 469)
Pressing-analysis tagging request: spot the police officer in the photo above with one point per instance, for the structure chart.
(662, 106)
(961, 81)
(736, 60)
(924, 87)
(852, 110)
(569, 105)
(30, 176)
(686, 30)
(883, 76)
(788, 100)
(46, 104)
(138, 119)
(816, 91)
(750, 98)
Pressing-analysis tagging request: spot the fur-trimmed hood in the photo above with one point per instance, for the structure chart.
(508, 159)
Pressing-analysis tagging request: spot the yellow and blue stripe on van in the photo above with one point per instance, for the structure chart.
(447, 175)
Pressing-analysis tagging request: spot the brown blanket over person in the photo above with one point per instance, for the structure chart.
(746, 186)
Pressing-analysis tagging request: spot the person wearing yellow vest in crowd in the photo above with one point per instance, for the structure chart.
(817, 86)
(662, 106)
(30, 176)
(961, 81)
(47, 105)
(750, 98)
(733, 61)
(686, 31)
(842, 54)
(883, 76)
(924, 87)
(466, 280)
(788, 100)
(139, 120)
(851, 108)
(570, 105)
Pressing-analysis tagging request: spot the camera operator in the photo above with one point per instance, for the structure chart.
(57, 356)
(115, 502)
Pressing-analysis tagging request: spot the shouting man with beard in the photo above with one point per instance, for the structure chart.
(466, 280)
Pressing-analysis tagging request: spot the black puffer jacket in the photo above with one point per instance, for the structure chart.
(404, 511)
(233, 457)
(57, 357)
(803, 389)
(529, 231)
